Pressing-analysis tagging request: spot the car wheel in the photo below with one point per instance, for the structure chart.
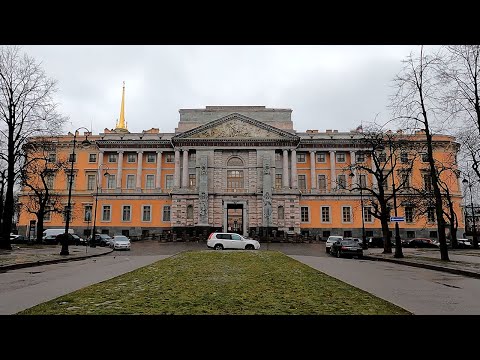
(249, 247)
(218, 247)
(338, 254)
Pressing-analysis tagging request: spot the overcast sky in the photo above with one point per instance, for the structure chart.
(327, 87)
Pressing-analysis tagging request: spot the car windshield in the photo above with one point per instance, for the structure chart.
(121, 238)
(348, 242)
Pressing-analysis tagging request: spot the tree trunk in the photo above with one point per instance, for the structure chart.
(387, 244)
(40, 217)
(9, 205)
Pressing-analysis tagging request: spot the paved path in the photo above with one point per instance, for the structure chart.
(21, 289)
(420, 291)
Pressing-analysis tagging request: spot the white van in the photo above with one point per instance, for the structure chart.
(49, 235)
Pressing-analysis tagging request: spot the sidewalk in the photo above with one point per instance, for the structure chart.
(33, 255)
(464, 262)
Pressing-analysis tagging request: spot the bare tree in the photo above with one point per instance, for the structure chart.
(27, 108)
(416, 102)
(41, 167)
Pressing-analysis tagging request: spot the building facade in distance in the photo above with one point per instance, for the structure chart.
(228, 168)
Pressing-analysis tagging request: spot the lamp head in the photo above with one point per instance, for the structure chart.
(464, 181)
(352, 175)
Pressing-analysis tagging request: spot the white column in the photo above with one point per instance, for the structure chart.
(176, 176)
(119, 169)
(158, 179)
(332, 170)
(354, 169)
(313, 182)
(100, 163)
(139, 168)
(294, 170)
(285, 168)
(185, 170)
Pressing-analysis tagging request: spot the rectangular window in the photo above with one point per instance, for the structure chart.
(363, 181)
(342, 182)
(326, 234)
(72, 158)
(302, 182)
(90, 182)
(347, 233)
(169, 157)
(166, 213)
(410, 234)
(382, 157)
(151, 157)
(87, 213)
(301, 157)
(131, 158)
(433, 234)
(340, 157)
(427, 182)
(408, 214)
(92, 158)
(325, 214)
(112, 158)
(281, 213)
(322, 182)
(150, 182)
(126, 213)
(278, 156)
(49, 179)
(235, 179)
(321, 157)
(405, 180)
(404, 157)
(52, 157)
(190, 212)
(111, 181)
(168, 181)
(192, 156)
(72, 179)
(106, 210)
(431, 214)
(367, 214)
(65, 212)
(47, 216)
(146, 213)
(278, 181)
(304, 214)
(360, 157)
(347, 214)
(424, 157)
(130, 181)
(192, 181)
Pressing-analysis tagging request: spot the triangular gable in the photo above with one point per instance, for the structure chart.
(236, 126)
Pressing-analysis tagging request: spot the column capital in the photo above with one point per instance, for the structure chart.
(312, 151)
(120, 151)
(140, 151)
(159, 151)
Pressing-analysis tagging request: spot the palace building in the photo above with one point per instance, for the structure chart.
(229, 168)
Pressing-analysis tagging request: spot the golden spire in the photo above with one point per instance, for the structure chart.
(121, 125)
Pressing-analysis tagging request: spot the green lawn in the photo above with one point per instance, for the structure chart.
(220, 282)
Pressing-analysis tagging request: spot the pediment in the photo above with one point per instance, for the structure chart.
(237, 127)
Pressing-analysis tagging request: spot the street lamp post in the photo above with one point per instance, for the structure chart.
(364, 238)
(68, 214)
(475, 240)
(398, 244)
(92, 237)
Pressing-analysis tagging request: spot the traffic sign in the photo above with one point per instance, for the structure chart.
(397, 218)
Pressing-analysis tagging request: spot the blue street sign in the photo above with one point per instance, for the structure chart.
(397, 218)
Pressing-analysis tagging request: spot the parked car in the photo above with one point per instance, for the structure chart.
(120, 242)
(346, 247)
(17, 239)
(220, 241)
(419, 243)
(330, 241)
(72, 239)
(79, 240)
(375, 241)
(102, 240)
(464, 243)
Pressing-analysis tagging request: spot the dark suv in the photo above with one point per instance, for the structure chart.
(375, 241)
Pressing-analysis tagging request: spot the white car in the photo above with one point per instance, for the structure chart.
(330, 241)
(120, 242)
(220, 241)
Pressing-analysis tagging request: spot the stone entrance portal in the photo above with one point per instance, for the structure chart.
(235, 217)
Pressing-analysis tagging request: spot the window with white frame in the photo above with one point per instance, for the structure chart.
(363, 181)
(360, 157)
(304, 214)
(278, 156)
(278, 181)
(106, 212)
(321, 157)
(87, 213)
(131, 158)
(382, 157)
(151, 157)
(126, 213)
(91, 182)
(65, 212)
(404, 158)
(322, 182)
(325, 214)
(47, 216)
(408, 214)
(52, 157)
(150, 181)
(367, 214)
(166, 213)
(340, 157)
(302, 182)
(427, 182)
(431, 214)
(169, 157)
(130, 181)
(234, 179)
(111, 183)
(301, 157)
(112, 158)
(92, 158)
(405, 180)
(168, 181)
(192, 156)
(72, 179)
(49, 179)
(346, 214)
(341, 181)
(146, 212)
(192, 181)
(424, 157)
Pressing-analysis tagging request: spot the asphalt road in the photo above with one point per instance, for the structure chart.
(420, 291)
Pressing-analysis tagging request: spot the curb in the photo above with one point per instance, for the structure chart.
(48, 262)
(425, 266)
